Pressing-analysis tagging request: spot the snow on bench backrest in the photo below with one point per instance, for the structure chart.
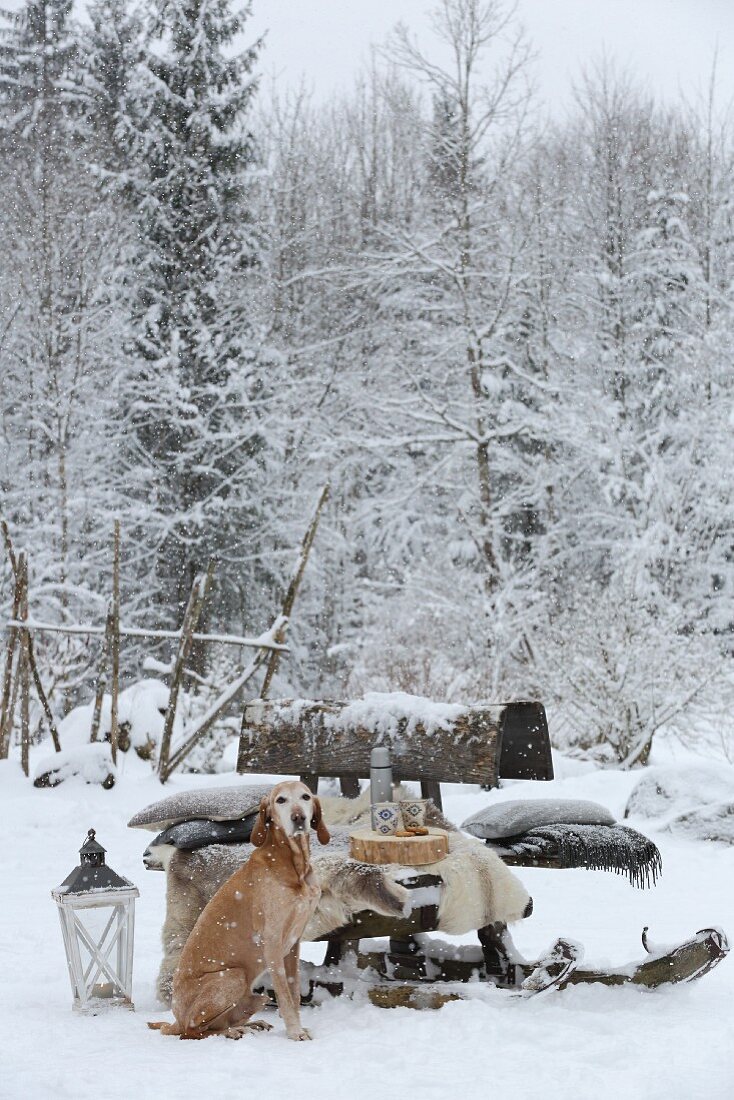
(439, 742)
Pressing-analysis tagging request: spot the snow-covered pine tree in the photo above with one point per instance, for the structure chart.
(40, 134)
(56, 346)
(38, 89)
(669, 293)
(113, 44)
(198, 384)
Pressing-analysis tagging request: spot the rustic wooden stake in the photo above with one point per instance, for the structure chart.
(41, 693)
(101, 678)
(288, 602)
(199, 592)
(7, 706)
(115, 641)
(29, 654)
(292, 590)
(23, 668)
(9, 546)
(14, 697)
(207, 720)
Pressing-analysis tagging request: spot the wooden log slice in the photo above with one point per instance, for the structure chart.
(414, 851)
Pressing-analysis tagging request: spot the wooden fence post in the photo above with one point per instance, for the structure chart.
(9, 547)
(288, 602)
(208, 719)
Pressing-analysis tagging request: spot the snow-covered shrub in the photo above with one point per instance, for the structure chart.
(619, 668)
(140, 711)
(141, 718)
(696, 801)
(92, 763)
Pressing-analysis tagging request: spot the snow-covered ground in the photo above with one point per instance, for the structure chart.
(585, 1043)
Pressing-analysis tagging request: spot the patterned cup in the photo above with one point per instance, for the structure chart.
(413, 811)
(385, 818)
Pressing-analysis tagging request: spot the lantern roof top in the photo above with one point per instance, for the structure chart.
(91, 846)
(92, 872)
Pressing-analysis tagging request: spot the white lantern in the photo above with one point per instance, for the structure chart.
(97, 913)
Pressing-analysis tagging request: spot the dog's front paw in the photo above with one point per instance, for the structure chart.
(300, 1035)
(237, 1031)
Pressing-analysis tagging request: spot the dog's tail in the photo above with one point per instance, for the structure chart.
(164, 1027)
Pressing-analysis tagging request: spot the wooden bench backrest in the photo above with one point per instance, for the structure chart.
(477, 744)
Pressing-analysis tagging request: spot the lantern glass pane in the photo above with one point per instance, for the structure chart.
(99, 954)
(95, 921)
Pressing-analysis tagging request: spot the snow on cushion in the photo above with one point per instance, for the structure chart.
(506, 819)
(207, 804)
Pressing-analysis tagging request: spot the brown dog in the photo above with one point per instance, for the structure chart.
(252, 924)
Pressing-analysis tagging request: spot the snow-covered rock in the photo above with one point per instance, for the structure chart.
(696, 801)
(712, 822)
(680, 788)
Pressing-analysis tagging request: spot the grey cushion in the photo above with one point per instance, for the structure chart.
(506, 819)
(207, 804)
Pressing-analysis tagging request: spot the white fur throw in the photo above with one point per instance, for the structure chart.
(477, 888)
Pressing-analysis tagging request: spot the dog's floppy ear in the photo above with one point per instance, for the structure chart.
(258, 834)
(317, 823)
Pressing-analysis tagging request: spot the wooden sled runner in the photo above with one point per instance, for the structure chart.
(409, 974)
(481, 745)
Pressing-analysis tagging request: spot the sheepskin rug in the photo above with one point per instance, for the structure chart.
(477, 888)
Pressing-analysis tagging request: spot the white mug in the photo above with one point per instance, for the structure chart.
(413, 811)
(385, 818)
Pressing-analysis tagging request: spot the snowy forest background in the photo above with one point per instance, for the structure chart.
(506, 343)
